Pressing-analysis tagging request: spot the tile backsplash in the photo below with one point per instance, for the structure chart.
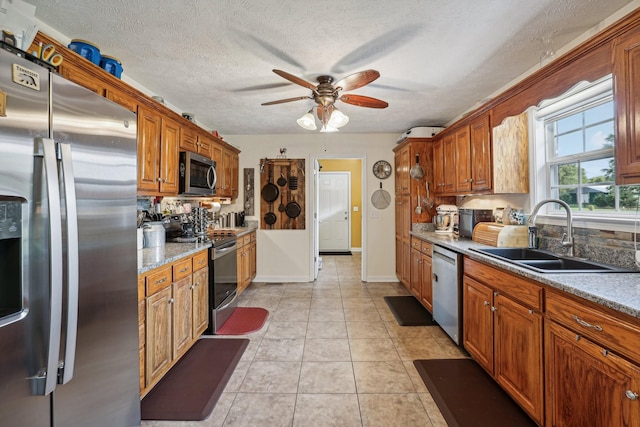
(609, 247)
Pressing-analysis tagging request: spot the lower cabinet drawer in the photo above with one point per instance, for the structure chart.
(611, 332)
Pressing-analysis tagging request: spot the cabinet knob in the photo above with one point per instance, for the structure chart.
(631, 395)
(171, 301)
(493, 308)
(486, 302)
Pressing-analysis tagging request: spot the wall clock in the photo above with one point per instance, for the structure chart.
(382, 169)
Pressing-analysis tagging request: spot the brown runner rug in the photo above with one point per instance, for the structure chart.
(467, 396)
(190, 390)
(408, 311)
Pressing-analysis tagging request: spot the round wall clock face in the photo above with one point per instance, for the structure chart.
(382, 169)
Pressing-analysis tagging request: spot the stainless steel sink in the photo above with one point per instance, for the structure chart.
(546, 262)
(518, 253)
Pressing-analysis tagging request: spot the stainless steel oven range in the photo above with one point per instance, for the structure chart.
(223, 281)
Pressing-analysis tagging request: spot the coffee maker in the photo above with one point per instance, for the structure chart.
(446, 218)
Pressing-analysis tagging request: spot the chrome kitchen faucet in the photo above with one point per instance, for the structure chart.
(567, 238)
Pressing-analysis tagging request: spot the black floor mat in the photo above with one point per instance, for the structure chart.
(467, 396)
(409, 312)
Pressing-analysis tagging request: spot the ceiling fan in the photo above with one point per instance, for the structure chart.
(326, 93)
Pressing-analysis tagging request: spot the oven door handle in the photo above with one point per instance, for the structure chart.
(222, 251)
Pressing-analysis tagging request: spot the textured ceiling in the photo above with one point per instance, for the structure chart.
(214, 58)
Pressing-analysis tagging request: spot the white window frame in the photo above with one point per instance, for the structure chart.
(583, 93)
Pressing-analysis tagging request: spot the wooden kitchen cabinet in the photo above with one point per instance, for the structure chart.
(158, 142)
(480, 145)
(426, 290)
(478, 322)
(246, 260)
(416, 271)
(463, 160)
(227, 166)
(175, 306)
(403, 226)
(587, 385)
(159, 319)
(626, 69)
(402, 162)
(596, 352)
(473, 156)
(408, 192)
(421, 272)
(444, 165)
(503, 332)
(200, 294)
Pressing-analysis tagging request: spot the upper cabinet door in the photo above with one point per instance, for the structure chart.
(480, 135)
(626, 70)
(169, 157)
(463, 161)
(149, 128)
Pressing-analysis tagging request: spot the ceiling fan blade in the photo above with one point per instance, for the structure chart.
(357, 80)
(282, 101)
(294, 79)
(363, 101)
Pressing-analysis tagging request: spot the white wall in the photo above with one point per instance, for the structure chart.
(286, 255)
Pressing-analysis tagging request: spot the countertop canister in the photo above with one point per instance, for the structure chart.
(154, 234)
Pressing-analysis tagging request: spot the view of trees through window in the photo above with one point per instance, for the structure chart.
(580, 158)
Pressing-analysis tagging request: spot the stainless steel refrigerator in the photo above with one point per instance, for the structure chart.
(68, 294)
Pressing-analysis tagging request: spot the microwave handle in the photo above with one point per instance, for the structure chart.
(212, 177)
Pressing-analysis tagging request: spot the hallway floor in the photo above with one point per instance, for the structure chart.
(331, 354)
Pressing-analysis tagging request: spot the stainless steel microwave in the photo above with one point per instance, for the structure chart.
(197, 175)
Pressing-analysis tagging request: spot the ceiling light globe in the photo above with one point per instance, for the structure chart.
(307, 121)
(338, 119)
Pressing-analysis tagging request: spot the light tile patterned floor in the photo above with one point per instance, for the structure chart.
(331, 354)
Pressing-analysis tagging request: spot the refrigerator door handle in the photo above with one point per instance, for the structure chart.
(65, 369)
(46, 149)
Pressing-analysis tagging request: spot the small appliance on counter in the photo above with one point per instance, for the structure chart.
(446, 218)
(468, 218)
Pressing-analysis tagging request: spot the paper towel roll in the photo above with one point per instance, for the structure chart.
(215, 207)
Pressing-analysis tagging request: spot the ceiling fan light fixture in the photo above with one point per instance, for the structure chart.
(338, 119)
(307, 121)
(329, 128)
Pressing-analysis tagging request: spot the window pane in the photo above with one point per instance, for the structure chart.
(599, 113)
(598, 197)
(599, 137)
(570, 196)
(597, 170)
(629, 197)
(570, 123)
(570, 143)
(567, 174)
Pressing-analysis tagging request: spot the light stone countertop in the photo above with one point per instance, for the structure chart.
(618, 291)
(150, 258)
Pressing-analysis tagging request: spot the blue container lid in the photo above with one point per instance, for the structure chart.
(86, 49)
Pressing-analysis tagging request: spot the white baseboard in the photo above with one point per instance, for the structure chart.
(382, 279)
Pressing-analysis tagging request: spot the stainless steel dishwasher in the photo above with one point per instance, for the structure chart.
(447, 291)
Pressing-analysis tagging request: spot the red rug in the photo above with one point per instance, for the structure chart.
(244, 320)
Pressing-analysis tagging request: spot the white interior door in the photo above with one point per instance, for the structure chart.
(334, 211)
